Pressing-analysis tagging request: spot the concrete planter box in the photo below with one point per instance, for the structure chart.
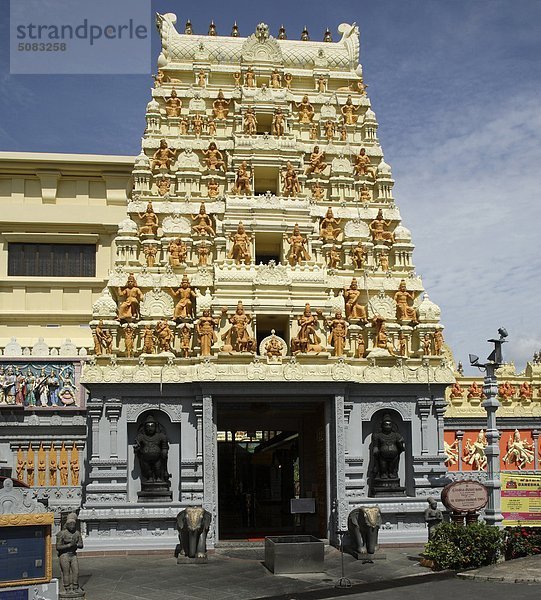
(294, 554)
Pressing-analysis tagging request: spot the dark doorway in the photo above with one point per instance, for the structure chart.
(269, 453)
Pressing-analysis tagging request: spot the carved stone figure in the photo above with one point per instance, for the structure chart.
(426, 344)
(297, 247)
(348, 111)
(274, 347)
(173, 105)
(377, 228)
(250, 121)
(148, 340)
(213, 189)
(387, 446)
(163, 157)
(202, 78)
(307, 339)
(318, 193)
(183, 125)
(63, 469)
(237, 78)
(474, 454)
(249, 77)
(275, 79)
(129, 340)
(380, 335)
(215, 159)
(164, 336)
(329, 127)
(362, 166)
(74, 466)
(240, 248)
(197, 125)
(193, 525)
(53, 466)
(290, 182)
(321, 84)
(211, 127)
(203, 253)
(151, 448)
(361, 347)
(506, 391)
(402, 344)
(278, 123)
(243, 181)
(150, 221)
(220, 106)
(456, 390)
(383, 260)
(178, 251)
(329, 228)
(355, 311)
(338, 334)
(128, 309)
(103, 339)
(363, 527)
(68, 541)
(164, 185)
(405, 312)
(237, 338)
(358, 255)
(475, 391)
(184, 297)
(519, 452)
(438, 342)
(315, 163)
(206, 331)
(288, 78)
(334, 258)
(150, 251)
(451, 453)
(202, 222)
(314, 131)
(433, 517)
(306, 110)
(525, 391)
(21, 465)
(365, 194)
(185, 336)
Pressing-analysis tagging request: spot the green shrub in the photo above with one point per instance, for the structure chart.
(455, 546)
(522, 541)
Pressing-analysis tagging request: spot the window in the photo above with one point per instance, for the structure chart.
(51, 260)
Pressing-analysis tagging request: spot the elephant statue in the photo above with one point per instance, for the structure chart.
(193, 525)
(363, 526)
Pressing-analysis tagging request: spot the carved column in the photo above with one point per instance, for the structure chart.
(423, 406)
(459, 436)
(535, 437)
(440, 406)
(210, 483)
(94, 410)
(340, 453)
(113, 410)
(198, 410)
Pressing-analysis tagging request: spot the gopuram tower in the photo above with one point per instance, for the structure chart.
(263, 311)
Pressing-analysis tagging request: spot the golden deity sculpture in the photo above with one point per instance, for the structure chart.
(240, 247)
(184, 297)
(128, 309)
(290, 182)
(402, 344)
(211, 127)
(306, 110)
(164, 185)
(474, 453)
(288, 78)
(307, 339)
(250, 121)
(360, 349)
(53, 466)
(30, 465)
(164, 336)
(402, 298)
(185, 338)
(381, 339)
(278, 123)
(383, 261)
(297, 247)
(213, 189)
(519, 452)
(202, 78)
(63, 467)
(343, 133)
(42, 466)
(205, 328)
(129, 340)
(456, 391)
(274, 346)
(318, 193)
(329, 228)
(321, 84)
(202, 222)
(249, 77)
(21, 464)
(334, 258)
(315, 163)
(525, 391)
(314, 131)
(184, 125)
(365, 195)
(74, 465)
(339, 329)
(362, 165)
(148, 340)
(426, 344)
(358, 256)
(329, 127)
(203, 253)
(355, 311)
(103, 339)
(348, 111)
(438, 342)
(377, 229)
(214, 158)
(237, 76)
(163, 157)
(275, 79)
(150, 251)
(178, 252)
(220, 106)
(243, 180)
(173, 105)
(150, 221)
(197, 125)
(237, 337)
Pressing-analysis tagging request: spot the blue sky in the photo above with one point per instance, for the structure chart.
(455, 85)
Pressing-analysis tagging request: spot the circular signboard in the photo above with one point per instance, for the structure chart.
(464, 496)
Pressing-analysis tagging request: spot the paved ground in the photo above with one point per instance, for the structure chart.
(240, 575)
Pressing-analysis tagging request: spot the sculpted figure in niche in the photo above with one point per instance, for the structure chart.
(274, 347)
(519, 452)
(343, 133)
(236, 78)
(74, 467)
(129, 340)
(63, 469)
(206, 331)
(321, 84)
(211, 127)
(185, 299)
(185, 335)
(249, 77)
(349, 110)
(213, 189)
(243, 181)
(202, 222)
(361, 347)
(474, 454)
(297, 247)
(178, 251)
(276, 79)
(237, 338)
(150, 221)
(355, 311)
(329, 228)
(220, 106)
(438, 342)
(290, 181)
(202, 79)
(103, 339)
(240, 248)
(402, 344)
(128, 309)
(404, 312)
(307, 339)
(387, 446)
(53, 466)
(362, 165)
(203, 253)
(163, 157)
(164, 336)
(148, 340)
(150, 251)
(329, 127)
(314, 131)
(197, 125)
(318, 193)
(377, 228)
(333, 258)
(306, 110)
(183, 125)
(383, 260)
(68, 541)
(358, 256)
(380, 335)
(215, 159)
(365, 193)
(288, 78)
(339, 330)
(278, 123)
(426, 344)
(316, 164)
(151, 449)
(250, 121)
(173, 105)
(164, 185)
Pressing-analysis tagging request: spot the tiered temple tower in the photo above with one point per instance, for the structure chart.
(263, 260)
